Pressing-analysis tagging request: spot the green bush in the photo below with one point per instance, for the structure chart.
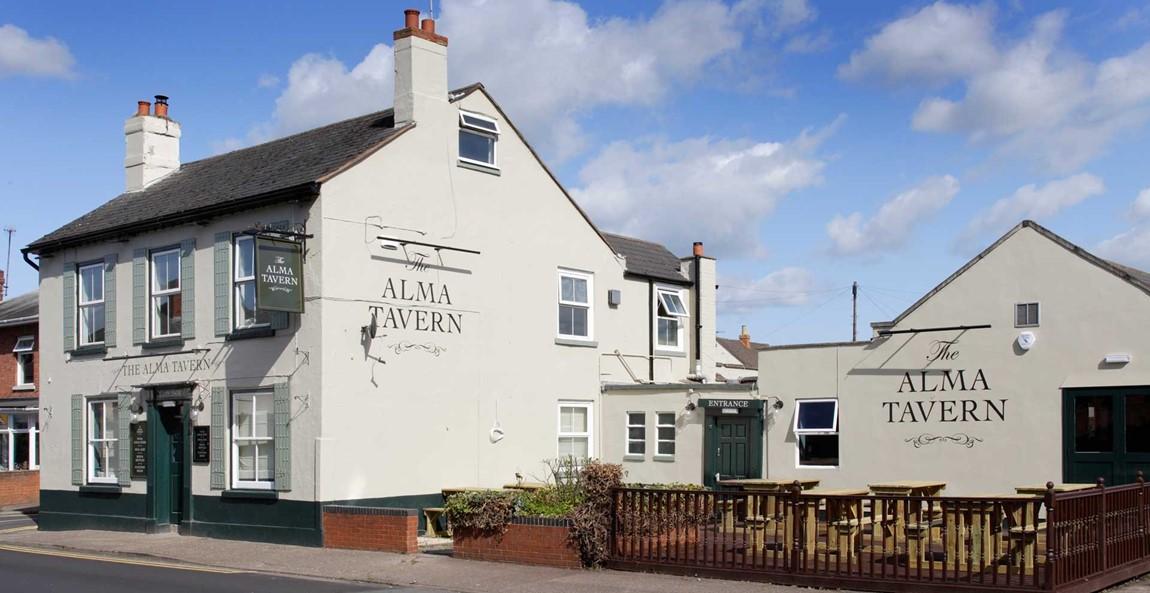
(485, 511)
(547, 502)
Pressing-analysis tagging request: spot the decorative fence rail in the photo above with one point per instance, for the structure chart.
(1079, 541)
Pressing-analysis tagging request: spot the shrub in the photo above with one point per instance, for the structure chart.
(485, 511)
(547, 502)
(591, 519)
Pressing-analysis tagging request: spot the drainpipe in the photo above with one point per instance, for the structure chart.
(28, 259)
(651, 330)
(697, 251)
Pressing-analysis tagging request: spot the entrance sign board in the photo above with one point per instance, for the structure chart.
(279, 275)
(201, 444)
(139, 451)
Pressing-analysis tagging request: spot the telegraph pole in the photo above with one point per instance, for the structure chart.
(855, 311)
(7, 265)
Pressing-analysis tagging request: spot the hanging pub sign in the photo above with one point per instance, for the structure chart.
(139, 451)
(279, 275)
(201, 444)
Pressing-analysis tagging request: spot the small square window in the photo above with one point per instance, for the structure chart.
(817, 416)
(636, 433)
(24, 344)
(665, 437)
(575, 307)
(478, 135)
(1026, 315)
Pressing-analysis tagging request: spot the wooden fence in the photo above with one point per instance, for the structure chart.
(1076, 541)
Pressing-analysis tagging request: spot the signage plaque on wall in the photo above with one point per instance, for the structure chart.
(139, 451)
(201, 444)
(279, 275)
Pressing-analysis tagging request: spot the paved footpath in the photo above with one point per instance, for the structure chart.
(418, 570)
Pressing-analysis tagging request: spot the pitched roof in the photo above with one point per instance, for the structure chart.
(644, 258)
(748, 357)
(21, 309)
(1138, 278)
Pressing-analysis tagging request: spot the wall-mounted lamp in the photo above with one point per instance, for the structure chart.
(197, 407)
(691, 406)
(1117, 358)
(778, 405)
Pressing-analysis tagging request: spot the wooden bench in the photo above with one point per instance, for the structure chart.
(432, 515)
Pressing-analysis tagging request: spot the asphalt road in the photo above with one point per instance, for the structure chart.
(36, 571)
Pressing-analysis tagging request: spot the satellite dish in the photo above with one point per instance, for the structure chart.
(1026, 340)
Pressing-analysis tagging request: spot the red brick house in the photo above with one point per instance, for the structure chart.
(19, 401)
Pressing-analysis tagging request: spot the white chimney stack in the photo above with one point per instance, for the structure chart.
(420, 69)
(153, 145)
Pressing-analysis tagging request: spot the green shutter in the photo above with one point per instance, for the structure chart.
(218, 435)
(282, 411)
(110, 300)
(78, 440)
(222, 257)
(124, 439)
(188, 288)
(140, 296)
(68, 297)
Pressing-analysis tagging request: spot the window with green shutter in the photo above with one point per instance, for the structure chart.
(110, 300)
(78, 440)
(282, 437)
(68, 298)
(140, 296)
(219, 478)
(188, 287)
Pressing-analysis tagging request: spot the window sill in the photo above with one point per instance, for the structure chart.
(665, 458)
(250, 494)
(250, 333)
(576, 342)
(634, 458)
(100, 489)
(90, 350)
(163, 343)
(670, 353)
(23, 388)
(490, 170)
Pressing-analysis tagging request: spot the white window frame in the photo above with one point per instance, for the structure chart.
(238, 280)
(589, 435)
(674, 435)
(33, 432)
(467, 127)
(1037, 314)
(25, 348)
(236, 482)
(629, 454)
(589, 305)
(81, 304)
(111, 417)
(155, 294)
(680, 318)
(799, 433)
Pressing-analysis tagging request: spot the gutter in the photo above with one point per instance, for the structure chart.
(35, 266)
(19, 320)
(306, 190)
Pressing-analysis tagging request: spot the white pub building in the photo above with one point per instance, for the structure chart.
(365, 312)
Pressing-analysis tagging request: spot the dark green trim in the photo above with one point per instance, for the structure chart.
(256, 519)
(711, 441)
(163, 343)
(100, 489)
(255, 494)
(93, 350)
(410, 501)
(250, 333)
(103, 508)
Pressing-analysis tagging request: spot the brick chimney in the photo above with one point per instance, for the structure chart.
(745, 337)
(152, 140)
(420, 70)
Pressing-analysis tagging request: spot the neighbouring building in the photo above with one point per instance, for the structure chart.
(1030, 363)
(738, 359)
(363, 313)
(19, 400)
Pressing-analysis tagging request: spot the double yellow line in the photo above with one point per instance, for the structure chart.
(133, 562)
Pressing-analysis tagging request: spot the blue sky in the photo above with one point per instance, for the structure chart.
(808, 144)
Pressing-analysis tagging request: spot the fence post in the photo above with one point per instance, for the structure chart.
(615, 495)
(793, 513)
(1102, 524)
(1142, 511)
(1051, 538)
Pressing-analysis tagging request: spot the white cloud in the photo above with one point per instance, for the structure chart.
(1029, 97)
(937, 44)
(546, 61)
(267, 81)
(678, 192)
(895, 220)
(22, 54)
(1131, 248)
(1032, 202)
(1140, 209)
(786, 287)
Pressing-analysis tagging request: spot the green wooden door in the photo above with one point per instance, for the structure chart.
(731, 455)
(168, 443)
(1106, 434)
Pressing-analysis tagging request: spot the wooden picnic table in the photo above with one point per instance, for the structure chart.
(844, 518)
(1021, 513)
(970, 517)
(526, 486)
(772, 487)
(887, 528)
(1040, 489)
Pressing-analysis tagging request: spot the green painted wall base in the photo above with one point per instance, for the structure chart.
(409, 501)
(111, 510)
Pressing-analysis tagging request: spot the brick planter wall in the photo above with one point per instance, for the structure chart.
(526, 541)
(370, 528)
(19, 488)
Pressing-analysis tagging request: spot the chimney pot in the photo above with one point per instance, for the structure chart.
(697, 249)
(745, 337)
(411, 19)
(161, 106)
(143, 108)
(428, 26)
